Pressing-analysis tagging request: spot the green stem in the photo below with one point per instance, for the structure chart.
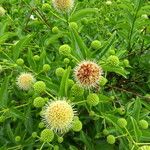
(80, 102)
(50, 95)
(42, 146)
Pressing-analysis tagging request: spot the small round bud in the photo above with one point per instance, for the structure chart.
(77, 126)
(34, 134)
(113, 60)
(102, 81)
(122, 122)
(38, 102)
(39, 86)
(2, 11)
(92, 99)
(105, 132)
(41, 125)
(47, 135)
(66, 60)
(2, 118)
(143, 124)
(126, 62)
(65, 50)
(111, 139)
(84, 21)
(121, 110)
(56, 147)
(17, 138)
(73, 25)
(96, 44)
(55, 30)
(59, 72)
(46, 67)
(36, 57)
(70, 83)
(112, 52)
(20, 62)
(91, 113)
(46, 7)
(60, 139)
(77, 90)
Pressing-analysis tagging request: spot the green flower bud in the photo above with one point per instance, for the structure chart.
(111, 139)
(36, 57)
(17, 138)
(2, 118)
(38, 102)
(92, 99)
(60, 139)
(73, 25)
(84, 21)
(2, 11)
(91, 113)
(66, 60)
(65, 50)
(70, 83)
(46, 7)
(34, 134)
(59, 72)
(121, 110)
(122, 122)
(105, 132)
(143, 124)
(77, 126)
(47, 135)
(113, 60)
(39, 86)
(56, 147)
(20, 62)
(46, 67)
(41, 125)
(126, 62)
(77, 90)
(55, 30)
(96, 44)
(112, 52)
(102, 81)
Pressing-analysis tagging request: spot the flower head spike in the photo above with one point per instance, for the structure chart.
(63, 5)
(58, 115)
(87, 73)
(25, 81)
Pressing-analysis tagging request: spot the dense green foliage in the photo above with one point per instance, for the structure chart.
(38, 39)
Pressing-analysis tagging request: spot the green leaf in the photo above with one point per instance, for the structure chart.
(86, 140)
(83, 13)
(5, 36)
(79, 48)
(137, 132)
(9, 133)
(136, 109)
(102, 51)
(30, 59)
(16, 113)
(20, 45)
(64, 84)
(118, 70)
(4, 93)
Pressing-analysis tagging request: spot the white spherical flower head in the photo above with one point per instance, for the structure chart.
(87, 74)
(63, 5)
(25, 81)
(58, 115)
